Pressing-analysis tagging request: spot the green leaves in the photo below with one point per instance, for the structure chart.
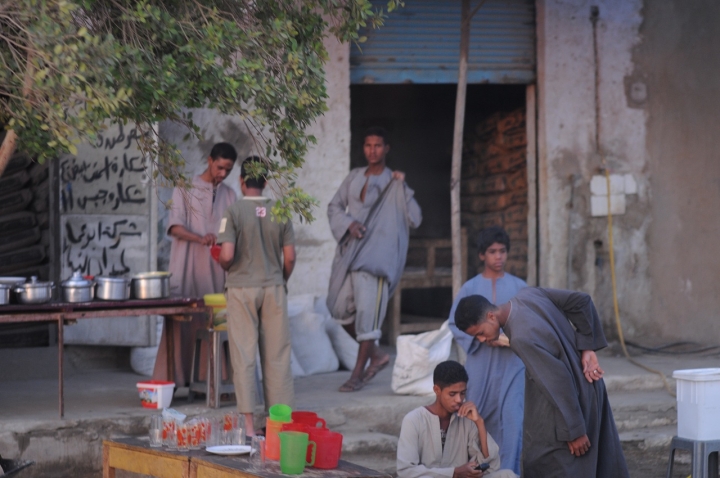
(68, 66)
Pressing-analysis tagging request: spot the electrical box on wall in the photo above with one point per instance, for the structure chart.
(620, 186)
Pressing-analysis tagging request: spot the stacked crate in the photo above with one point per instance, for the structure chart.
(24, 237)
(494, 186)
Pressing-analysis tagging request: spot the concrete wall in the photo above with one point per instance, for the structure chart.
(327, 164)
(574, 245)
(678, 60)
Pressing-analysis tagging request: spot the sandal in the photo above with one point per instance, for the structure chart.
(373, 370)
(351, 386)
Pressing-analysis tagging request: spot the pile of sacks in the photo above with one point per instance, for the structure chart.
(319, 344)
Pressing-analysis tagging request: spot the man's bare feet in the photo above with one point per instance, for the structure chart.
(376, 364)
(352, 385)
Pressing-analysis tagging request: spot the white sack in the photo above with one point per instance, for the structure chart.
(311, 344)
(417, 357)
(346, 348)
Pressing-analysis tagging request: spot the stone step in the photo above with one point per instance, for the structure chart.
(643, 409)
(369, 443)
(649, 438)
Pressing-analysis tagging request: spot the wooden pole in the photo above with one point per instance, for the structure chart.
(457, 149)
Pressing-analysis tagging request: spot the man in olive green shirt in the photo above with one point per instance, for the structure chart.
(259, 255)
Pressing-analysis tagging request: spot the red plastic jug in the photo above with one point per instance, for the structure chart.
(329, 448)
(309, 418)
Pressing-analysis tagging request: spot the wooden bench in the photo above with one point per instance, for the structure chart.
(427, 277)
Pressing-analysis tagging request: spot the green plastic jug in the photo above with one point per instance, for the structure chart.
(293, 447)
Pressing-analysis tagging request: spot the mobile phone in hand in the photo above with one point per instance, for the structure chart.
(482, 466)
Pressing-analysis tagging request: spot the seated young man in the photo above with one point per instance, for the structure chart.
(447, 438)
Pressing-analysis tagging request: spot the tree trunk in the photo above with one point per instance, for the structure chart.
(457, 266)
(7, 149)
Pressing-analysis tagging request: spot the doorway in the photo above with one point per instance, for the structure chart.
(419, 119)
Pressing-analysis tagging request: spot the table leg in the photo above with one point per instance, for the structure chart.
(108, 472)
(213, 381)
(170, 335)
(61, 387)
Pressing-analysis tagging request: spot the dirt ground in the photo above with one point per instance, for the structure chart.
(653, 463)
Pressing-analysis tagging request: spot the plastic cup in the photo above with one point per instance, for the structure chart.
(293, 448)
(155, 431)
(257, 453)
(280, 413)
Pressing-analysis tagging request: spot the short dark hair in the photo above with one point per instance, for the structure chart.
(253, 182)
(223, 150)
(377, 131)
(449, 373)
(491, 235)
(472, 310)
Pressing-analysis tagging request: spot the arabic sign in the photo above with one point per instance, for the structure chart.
(107, 177)
(106, 202)
(104, 245)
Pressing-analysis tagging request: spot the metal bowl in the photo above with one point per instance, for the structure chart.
(151, 285)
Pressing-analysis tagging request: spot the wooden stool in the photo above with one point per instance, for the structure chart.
(704, 459)
(427, 277)
(217, 340)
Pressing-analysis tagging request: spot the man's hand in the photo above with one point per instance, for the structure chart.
(208, 240)
(591, 367)
(469, 411)
(579, 446)
(468, 469)
(502, 341)
(399, 175)
(356, 229)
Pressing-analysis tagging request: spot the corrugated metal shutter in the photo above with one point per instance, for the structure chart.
(420, 43)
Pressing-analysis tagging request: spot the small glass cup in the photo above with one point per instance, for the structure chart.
(155, 431)
(214, 432)
(168, 433)
(236, 436)
(229, 423)
(183, 437)
(195, 433)
(257, 453)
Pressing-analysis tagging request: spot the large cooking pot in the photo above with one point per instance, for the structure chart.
(34, 292)
(112, 288)
(6, 285)
(5, 293)
(78, 289)
(151, 285)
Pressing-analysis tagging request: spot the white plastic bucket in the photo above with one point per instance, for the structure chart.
(698, 403)
(155, 393)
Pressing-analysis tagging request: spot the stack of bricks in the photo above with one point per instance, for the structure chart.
(494, 186)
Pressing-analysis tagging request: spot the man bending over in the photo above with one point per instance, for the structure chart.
(448, 438)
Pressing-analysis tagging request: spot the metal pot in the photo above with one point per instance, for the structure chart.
(34, 292)
(5, 293)
(151, 285)
(112, 288)
(78, 289)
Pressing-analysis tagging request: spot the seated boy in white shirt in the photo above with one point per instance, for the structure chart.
(448, 438)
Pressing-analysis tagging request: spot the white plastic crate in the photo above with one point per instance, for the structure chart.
(698, 403)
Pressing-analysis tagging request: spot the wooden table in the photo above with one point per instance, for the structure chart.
(135, 455)
(61, 313)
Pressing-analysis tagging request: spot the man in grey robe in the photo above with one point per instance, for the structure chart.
(447, 438)
(555, 333)
(370, 216)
